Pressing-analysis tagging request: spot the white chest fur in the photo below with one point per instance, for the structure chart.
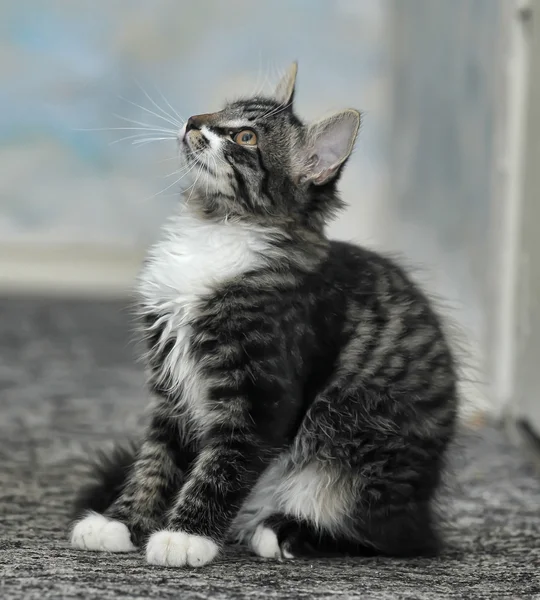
(193, 257)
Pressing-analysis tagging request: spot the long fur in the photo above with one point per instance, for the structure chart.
(304, 393)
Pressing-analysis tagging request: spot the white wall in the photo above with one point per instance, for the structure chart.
(445, 75)
(522, 384)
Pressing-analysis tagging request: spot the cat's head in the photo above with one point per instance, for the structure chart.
(256, 158)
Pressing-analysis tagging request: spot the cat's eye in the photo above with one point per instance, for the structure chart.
(246, 137)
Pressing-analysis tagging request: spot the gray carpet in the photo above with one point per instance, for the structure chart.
(69, 384)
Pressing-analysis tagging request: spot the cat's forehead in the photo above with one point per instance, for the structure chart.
(252, 109)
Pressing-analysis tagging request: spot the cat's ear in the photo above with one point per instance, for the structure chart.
(284, 93)
(328, 145)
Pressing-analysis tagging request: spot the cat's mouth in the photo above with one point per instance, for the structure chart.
(191, 141)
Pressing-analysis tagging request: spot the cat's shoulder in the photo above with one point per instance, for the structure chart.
(354, 256)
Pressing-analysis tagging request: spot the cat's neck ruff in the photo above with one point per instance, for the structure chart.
(195, 255)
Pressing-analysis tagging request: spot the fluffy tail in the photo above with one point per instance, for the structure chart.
(109, 473)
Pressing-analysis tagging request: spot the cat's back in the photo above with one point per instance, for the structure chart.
(390, 333)
(357, 268)
(369, 279)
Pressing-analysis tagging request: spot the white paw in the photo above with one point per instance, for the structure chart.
(96, 532)
(178, 549)
(286, 553)
(265, 543)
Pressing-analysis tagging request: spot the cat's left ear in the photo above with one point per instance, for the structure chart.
(284, 93)
(328, 145)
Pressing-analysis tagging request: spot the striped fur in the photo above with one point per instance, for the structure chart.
(304, 392)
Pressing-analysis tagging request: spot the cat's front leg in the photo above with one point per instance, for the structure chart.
(222, 476)
(140, 508)
(248, 413)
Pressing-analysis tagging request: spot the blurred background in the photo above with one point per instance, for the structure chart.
(442, 174)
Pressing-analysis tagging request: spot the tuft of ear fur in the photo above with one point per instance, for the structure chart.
(284, 93)
(328, 145)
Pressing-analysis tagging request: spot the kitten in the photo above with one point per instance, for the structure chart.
(304, 394)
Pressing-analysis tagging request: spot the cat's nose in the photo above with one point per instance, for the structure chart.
(192, 123)
(198, 121)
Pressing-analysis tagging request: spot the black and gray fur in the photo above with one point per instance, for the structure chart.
(319, 396)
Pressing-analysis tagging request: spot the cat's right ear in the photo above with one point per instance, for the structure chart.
(284, 93)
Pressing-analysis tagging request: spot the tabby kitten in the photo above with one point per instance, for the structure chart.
(304, 394)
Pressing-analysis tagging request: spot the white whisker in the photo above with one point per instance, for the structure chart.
(123, 129)
(223, 162)
(129, 137)
(148, 140)
(173, 120)
(274, 111)
(167, 159)
(174, 182)
(180, 170)
(206, 173)
(151, 112)
(265, 80)
(182, 120)
(149, 125)
(173, 173)
(193, 186)
(256, 90)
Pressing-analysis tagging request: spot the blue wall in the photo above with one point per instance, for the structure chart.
(64, 66)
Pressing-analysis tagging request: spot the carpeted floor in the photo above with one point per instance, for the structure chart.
(69, 384)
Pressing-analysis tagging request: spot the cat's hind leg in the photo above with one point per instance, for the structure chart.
(375, 464)
(360, 478)
(293, 505)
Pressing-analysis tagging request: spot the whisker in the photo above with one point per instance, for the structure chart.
(151, 112)
(193, 186)
(277, 72)
(173, 120)
(148, 140)
(129, 137)
(275, 111)
(199, 172)
(256, 90)
(223, 162)
(173, 183)
(182, 119)
(265, 80)
(180, 170)
(167, 159)
(151, 125)
(122, 129)
(216, 163)
(207, 174)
